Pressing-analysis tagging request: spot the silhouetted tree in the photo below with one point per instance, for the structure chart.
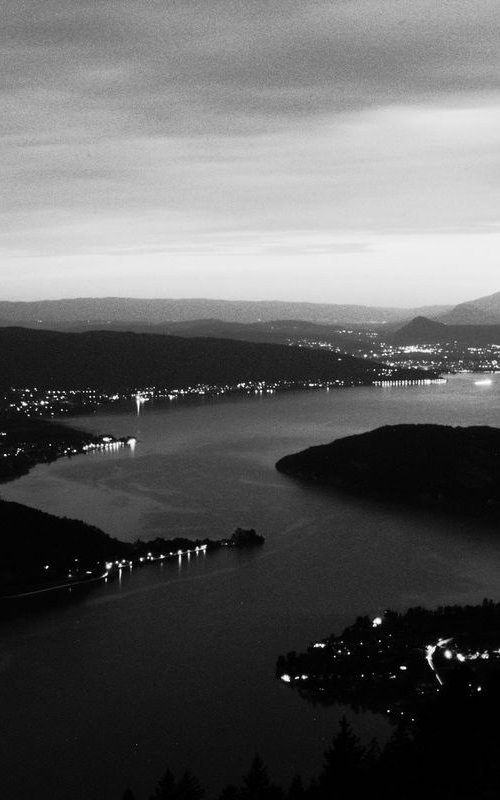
(395, 766)
(343, 763)
(188, 788)
(296, 790)
(230, 792)
(128, 795)
(166, 788)
(256, 783)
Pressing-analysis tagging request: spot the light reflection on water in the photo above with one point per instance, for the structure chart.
(174, 664)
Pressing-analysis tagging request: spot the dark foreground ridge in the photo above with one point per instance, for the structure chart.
(40, 552)
(440, 466)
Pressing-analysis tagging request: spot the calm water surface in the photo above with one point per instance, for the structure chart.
(174, 666)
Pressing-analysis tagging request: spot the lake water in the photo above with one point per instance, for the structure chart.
(174, 665)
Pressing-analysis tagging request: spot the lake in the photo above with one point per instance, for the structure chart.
(173, 666)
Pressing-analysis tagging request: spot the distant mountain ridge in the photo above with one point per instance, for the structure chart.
(482, 311)
(157, 311)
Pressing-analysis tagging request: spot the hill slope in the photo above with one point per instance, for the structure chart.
(32, 540)
(482, 311)
(427, 331)
(455, 468)
(113, 361)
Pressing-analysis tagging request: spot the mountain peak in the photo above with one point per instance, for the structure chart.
(421, 330)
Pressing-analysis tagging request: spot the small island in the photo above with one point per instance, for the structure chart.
(440, 466)
(244, 537)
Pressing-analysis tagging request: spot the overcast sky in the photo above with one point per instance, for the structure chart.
(339, 151)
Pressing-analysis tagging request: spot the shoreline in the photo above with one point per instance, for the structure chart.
(141, 554)
(18, 455)
(24, 444)
(397, 663)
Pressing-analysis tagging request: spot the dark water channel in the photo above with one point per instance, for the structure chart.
(174, 665)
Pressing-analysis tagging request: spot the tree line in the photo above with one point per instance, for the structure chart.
(452, 753)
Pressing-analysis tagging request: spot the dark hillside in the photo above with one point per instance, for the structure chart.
(112, 360)
(36, 547)
(436, 465)
(427, 331)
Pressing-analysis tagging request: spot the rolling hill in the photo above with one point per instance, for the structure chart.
(482, 311)
(108, 360)
(427, 331)
(156, 311)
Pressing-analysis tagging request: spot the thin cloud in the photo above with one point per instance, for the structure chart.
(139, 128)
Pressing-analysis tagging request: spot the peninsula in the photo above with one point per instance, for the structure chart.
(26, 442)
(397, 663)
(450, 468)
(41, 552)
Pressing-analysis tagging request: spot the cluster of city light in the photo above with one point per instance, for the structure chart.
(411, 382)
(107, 443)
(149, 557)
(451, 356)
(77, 575)
(289, 678)
(40, 402)
(451, 654)
(34, 401)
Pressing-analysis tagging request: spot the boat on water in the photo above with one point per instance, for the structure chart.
(483, 382)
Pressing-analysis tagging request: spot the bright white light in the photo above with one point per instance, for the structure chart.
(376, 622)
(448, 654)
(429, 653)
(132, 443)
(286, 678)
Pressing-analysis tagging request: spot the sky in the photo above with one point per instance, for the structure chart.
(343, 151)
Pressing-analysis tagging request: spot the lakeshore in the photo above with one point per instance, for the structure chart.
(443, 468)
(216, 624)
(396, 663)
(25, 442)
(44, 553)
